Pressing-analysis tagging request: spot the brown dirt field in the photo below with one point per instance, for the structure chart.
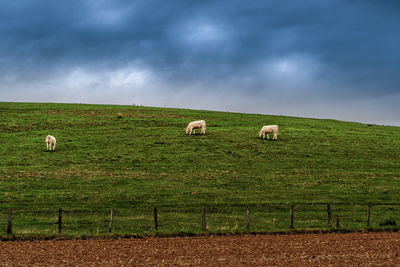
(358, 249)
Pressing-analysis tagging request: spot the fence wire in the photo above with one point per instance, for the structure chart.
(219, 218)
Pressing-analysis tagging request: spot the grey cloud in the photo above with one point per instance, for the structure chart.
(318, 51)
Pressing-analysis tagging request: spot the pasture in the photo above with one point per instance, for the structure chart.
(134, 159)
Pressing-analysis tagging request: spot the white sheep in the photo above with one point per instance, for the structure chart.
(267, 130)
(195, 125)
(50, 143)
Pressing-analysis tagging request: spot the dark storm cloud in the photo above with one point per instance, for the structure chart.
(325, 50)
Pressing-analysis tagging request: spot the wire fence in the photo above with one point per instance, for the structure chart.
(196, 219)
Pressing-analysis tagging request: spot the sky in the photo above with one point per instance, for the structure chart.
(336, 59)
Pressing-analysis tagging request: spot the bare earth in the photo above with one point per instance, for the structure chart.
(253, 250)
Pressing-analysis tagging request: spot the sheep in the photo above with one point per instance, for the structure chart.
(194, 125)
(267, 130)
(50, 143)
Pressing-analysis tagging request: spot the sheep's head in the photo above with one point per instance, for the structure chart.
(259, 134)
(187, 130)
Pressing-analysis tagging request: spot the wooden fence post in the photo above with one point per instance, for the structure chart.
(337, 221)
(111, 221)
(369, 214)
(248, 218)
(59, 221)
(203, 219)
(155, 219)
(329, 215)
(291, 215)
(9, 226)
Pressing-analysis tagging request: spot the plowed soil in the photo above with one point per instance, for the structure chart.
(358, 249)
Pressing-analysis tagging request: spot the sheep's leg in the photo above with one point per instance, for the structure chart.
(267, 136)
(194, 131)
(190, 132)
(47, 146)
(263, 136)
(275, 136)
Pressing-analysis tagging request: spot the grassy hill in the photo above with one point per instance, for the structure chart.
(136, 158)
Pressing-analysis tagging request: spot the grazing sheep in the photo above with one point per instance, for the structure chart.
(267, 130)
(51, 143)
(194, 125)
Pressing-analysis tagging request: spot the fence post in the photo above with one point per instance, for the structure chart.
(369, 214)
(337, 221)
(111, 220)
(59, 221)
(291, 215)
(155, 219)
(329, 215)
(9, 226)
(203, 219)
(248, 218)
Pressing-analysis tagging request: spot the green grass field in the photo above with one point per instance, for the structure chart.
(133, 159)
